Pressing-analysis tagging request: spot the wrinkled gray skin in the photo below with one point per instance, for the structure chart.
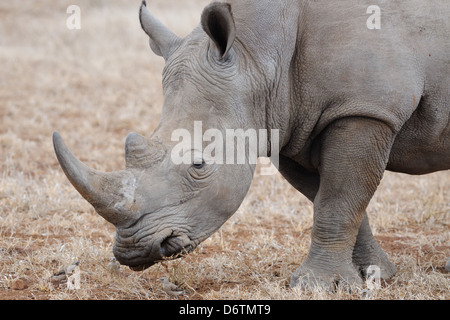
(349, 102)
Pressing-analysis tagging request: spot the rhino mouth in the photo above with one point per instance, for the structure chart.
(141, 267)
(172, 247)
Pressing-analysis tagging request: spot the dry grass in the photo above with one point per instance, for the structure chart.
(96, 85)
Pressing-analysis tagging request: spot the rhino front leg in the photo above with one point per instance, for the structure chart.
(366, 250)
(353, 157)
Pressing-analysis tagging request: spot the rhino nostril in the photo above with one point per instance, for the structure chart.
(169, 246)
(175, 246)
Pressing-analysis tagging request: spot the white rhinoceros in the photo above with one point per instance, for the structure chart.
(350, 99)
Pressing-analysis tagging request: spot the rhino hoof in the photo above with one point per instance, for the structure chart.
(308, 280)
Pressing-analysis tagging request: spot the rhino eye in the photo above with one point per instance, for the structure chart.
(199, 165)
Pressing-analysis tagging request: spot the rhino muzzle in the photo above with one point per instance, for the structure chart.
(139, 255)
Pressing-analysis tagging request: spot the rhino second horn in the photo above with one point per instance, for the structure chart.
(109, 193)
(141, 153)
(136, 151)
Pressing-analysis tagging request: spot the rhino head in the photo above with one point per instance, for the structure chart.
(163, 209)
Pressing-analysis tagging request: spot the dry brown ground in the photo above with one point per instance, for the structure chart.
(96, 85)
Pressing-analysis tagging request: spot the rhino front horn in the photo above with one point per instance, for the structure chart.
(109, 193)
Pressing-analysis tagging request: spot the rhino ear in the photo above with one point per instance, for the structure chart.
(217, 21)
(162, 41)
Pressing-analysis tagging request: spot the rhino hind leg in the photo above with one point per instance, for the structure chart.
(367, 252)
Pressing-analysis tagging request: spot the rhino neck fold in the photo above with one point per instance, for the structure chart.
(271, 55)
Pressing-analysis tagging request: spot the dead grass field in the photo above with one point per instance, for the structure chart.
(97, 84)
